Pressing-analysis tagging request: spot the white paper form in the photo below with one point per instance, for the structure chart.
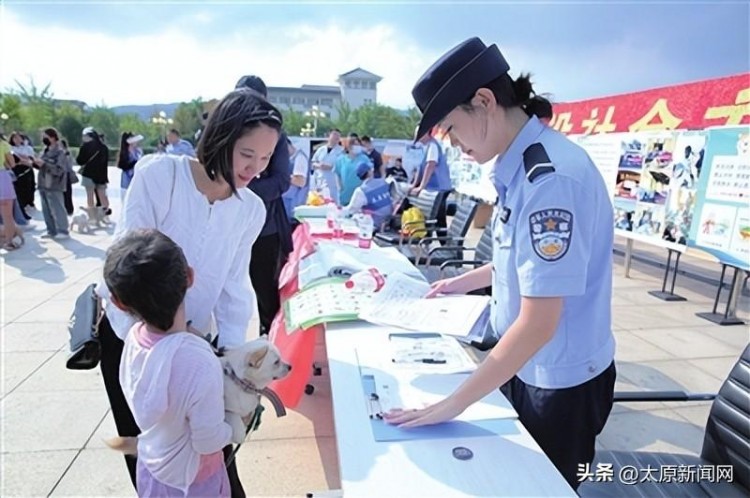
(401, 303)
(416, 352)
(420, 391)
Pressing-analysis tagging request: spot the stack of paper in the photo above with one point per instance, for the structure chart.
(401, 303)
(302, 212)
(416, 352)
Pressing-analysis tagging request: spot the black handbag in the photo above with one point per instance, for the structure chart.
(84, 331)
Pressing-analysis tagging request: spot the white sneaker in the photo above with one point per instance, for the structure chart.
(61, 236)
(48, 236)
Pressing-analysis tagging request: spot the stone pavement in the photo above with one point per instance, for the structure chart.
(53, 420)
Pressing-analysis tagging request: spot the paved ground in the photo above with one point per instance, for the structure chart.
(53, 420)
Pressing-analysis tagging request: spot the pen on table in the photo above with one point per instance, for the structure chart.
(429, 361)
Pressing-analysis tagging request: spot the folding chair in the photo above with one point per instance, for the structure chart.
(429, 203)
(725, 444)
(417, 250)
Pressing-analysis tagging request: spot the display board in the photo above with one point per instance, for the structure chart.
(722, 207)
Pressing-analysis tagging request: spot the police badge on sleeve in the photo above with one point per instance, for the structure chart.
(550, 231)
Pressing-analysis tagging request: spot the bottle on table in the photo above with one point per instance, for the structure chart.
(365, 281)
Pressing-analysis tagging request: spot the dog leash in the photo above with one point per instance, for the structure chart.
(255, 420)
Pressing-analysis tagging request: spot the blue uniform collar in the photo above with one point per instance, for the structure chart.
(508, 164)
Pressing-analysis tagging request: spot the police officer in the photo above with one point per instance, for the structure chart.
(551, 273)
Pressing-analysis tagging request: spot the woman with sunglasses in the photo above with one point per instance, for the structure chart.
(201, 204)
(551, 271)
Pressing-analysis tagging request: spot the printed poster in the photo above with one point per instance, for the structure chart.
(627, 181)
(685, 173)
(722, 209)
(605, 151)
(468, 176)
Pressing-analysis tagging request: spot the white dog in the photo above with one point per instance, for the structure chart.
(248, 370)
(97, 215)
(81, 221)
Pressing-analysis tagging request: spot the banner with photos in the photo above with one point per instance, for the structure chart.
(722, 207)
(653, 190)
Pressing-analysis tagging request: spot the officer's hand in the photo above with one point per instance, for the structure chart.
(442, 411)
(445, 286)
(415, 191)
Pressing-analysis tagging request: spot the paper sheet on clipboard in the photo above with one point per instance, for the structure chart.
(400, 303)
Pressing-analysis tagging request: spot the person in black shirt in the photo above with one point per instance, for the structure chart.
(274, 244)
(397, 172)
(375, 157)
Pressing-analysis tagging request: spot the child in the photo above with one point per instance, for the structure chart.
(172, 381)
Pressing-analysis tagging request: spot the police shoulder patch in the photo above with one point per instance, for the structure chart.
(536, 162)
(550, 231)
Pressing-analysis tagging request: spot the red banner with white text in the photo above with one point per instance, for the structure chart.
(717, 102)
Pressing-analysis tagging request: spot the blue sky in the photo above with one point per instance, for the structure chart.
(170, 51)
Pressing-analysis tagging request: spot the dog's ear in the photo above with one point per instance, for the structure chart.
(255, 358)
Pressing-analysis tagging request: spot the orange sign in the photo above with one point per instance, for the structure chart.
(718, 102)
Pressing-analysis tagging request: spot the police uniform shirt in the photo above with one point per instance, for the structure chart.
(553, 237)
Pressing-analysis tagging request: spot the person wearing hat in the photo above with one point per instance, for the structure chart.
(130, 154)
(551, 271)
(92, 159)
(275, 241)
(373, 196)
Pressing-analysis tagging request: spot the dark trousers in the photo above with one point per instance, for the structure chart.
(69, 199)
(25, 185)
(111, 352)
(265, 265)
(565, 422)
(442, 215)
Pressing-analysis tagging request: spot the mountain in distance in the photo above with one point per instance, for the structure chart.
(145, 112)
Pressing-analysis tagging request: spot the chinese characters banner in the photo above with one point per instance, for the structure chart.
(718, 102)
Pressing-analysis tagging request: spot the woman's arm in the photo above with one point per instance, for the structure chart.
(54, 161)
(234, 308)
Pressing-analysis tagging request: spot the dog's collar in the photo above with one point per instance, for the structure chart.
(246, 386)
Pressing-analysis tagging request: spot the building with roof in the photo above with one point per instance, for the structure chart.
(357, 87)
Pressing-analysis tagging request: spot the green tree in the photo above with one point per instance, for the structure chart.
(345, 119)
(187, 117)
(69, 121)
(106, 122)
(38, 107)
(294, 121)
(10, 105)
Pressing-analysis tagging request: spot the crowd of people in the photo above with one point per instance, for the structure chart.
(202, 238)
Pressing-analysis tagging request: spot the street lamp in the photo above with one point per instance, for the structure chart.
(315, 113)
(162, 120)
(307, 131)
